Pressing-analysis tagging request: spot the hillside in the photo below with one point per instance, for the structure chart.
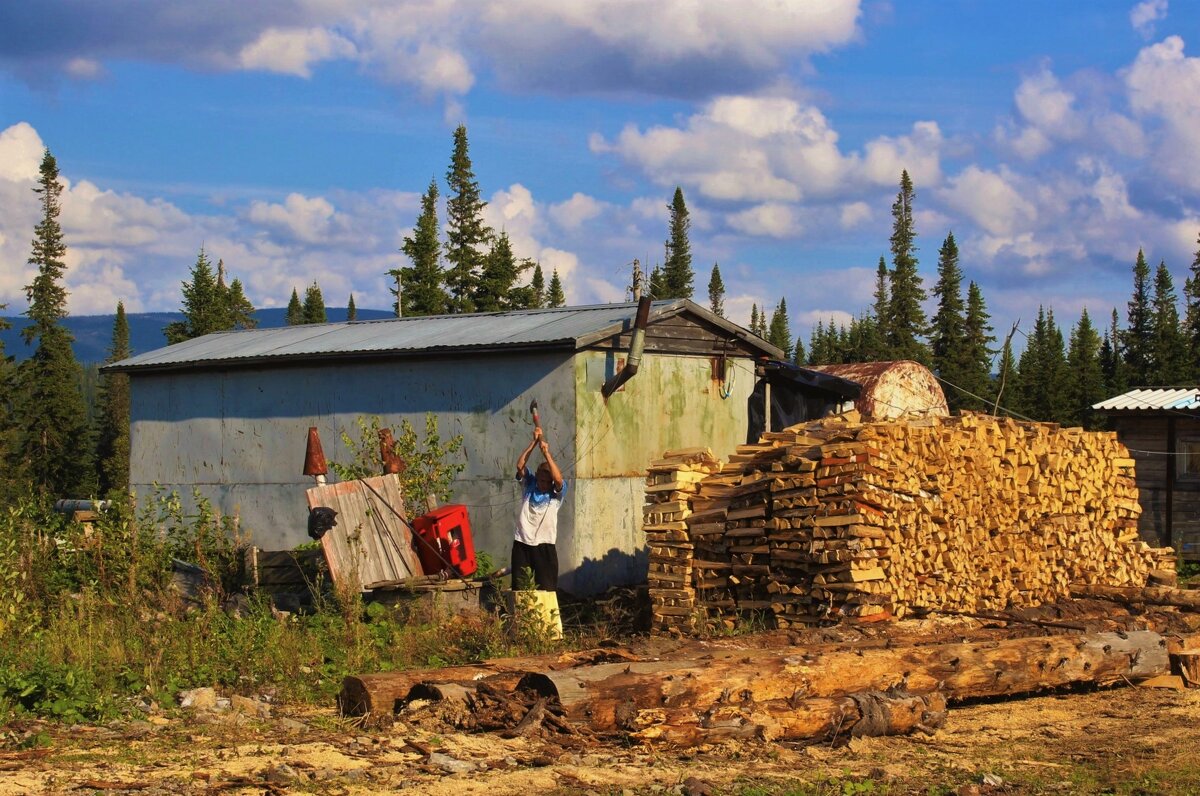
(93, 333)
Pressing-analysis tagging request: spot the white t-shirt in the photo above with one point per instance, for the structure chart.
(537, 519)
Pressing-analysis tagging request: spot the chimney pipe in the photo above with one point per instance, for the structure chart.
(314, 457)
(636, 346)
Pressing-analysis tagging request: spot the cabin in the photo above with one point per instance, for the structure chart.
(1161, 428)
(227, 415)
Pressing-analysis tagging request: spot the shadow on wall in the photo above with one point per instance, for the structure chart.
(597, 575)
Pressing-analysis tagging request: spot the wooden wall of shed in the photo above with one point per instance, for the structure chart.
(684, 335)
(1149, 442)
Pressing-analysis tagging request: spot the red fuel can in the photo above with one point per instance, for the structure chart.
(447, 544)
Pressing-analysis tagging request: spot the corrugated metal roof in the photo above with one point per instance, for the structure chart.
(1153, 399)
(565, 327)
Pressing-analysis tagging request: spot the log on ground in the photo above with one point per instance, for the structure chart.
(1148, 595)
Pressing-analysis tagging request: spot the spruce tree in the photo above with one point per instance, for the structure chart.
(658, 285)
(466, 234)
(1112, 359)
(537, 285)
(351, 310)
(780, 334)
(295, 310)
(753, 319)
(1191, 316)
(818, 345)
(1040, 385)
(239, 310)
(205, 304)
(977, 340)
(420, 286)
(1085, 380)
(716, 292)
(55, 447)
(798, 355)
(1169, 362)
(555, 297)
(906, 318)
(313, 310)
(498, 278)
(875, 345)
(677, 268)
(1006, 372)
(948, 350)
(1138, 337)
(112, 433)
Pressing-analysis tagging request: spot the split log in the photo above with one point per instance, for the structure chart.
(1149, 595)
(866, 714)
(610, 696)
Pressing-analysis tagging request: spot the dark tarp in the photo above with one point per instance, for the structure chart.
(797, 395)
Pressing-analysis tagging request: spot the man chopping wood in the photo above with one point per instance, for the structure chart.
(537, 519)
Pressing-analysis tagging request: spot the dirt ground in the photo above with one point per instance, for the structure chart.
(1124, 740)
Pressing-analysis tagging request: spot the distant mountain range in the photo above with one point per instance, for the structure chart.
(93, 333)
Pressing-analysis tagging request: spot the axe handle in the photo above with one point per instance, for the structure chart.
(537, 422)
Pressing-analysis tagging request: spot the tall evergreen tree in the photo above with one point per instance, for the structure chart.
(1085, 380)
(1138, 337)
(876, 337)
(537, 286)
(1191, 316)
(239, 310)
(351, 310)
(494, 290)
(1040, 386)
(1006, 372)
(205, 304)
(313, 309)
(420, 286)
(947, 342)
(466, 235)
(555, 297)
(295, 310)
(798, 355)
(906, 318)
(1112, 359)
(753, 318)
(1169, 345)
(677, 268)
(977, 340)
(658, 285)
(55, 449)
(716, 292)
(112, 433)
(780, 334)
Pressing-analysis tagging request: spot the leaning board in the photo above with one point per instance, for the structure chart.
(369, 544)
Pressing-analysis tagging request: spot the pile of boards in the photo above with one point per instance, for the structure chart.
(838, 517)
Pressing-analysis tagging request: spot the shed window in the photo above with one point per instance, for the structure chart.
(1189, 458)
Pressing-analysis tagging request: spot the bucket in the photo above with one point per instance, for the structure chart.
(537, 610)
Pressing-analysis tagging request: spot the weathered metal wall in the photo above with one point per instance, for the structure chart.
(673, 402)
(239, 435)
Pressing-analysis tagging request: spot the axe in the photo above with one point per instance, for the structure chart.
(533, 410)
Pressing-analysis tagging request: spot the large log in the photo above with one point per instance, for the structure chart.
(1148, 595)
(610, 696)
(871, 713)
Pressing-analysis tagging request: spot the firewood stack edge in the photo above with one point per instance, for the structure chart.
(843, 518)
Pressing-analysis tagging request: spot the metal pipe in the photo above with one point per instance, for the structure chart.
(636, 347)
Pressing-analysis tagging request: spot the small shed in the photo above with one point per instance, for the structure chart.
(1161, 428)
(227, 414)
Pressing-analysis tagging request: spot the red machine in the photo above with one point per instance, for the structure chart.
(447, 544)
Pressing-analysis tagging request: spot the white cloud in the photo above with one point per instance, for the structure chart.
(1164, 85)
(1047, 106)
(771, 149)
(770, 219)
(84, 68)
(576, 211)
(21, 151)
(855, 213)
(294, 52)
(989, 199)
(1144, 15)
(310, 220)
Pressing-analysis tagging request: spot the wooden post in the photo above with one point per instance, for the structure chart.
(1171, 470)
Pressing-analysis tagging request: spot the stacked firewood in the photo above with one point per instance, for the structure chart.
(671, 484)
(843, 518)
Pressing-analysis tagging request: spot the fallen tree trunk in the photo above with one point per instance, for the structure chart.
(820, 718)
(609, 697)
(378, 694)
(1148, 595)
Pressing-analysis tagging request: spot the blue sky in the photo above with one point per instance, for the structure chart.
(293, 138)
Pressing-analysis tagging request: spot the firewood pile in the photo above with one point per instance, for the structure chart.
(841, 518)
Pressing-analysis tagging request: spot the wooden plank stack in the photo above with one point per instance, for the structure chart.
(840, 518)
(671, 484)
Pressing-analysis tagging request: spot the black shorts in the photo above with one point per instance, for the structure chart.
(542, 559)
